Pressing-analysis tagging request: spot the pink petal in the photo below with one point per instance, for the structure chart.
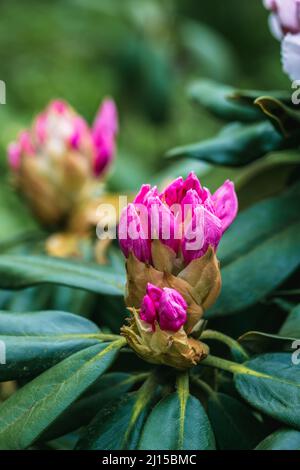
(163, 225)
(14, 155)
(104, 132)
(148, 311)
(290, 53)
(204, 230)
(192, 182)
(172, 310)
(226, 204)
(173, 193)
(132, 237)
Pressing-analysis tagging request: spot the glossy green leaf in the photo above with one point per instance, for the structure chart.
(234, 425)
(266, 177)
(187, 428)
(271, 383)
(31, 410)
(18, 271)
(235, 145)
(119, 425)
(36, 341)
(291, 326)
(285, 118)
(216, 98)
(258, 342)
(283, 439)
(261, 249)
(105, 390)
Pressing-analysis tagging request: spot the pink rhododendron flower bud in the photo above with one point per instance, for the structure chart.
(172, 310)
(165, 306)
(56, 162)
(172, 281)
(185, 217)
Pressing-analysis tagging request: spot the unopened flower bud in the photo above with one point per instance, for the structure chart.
(56, 163)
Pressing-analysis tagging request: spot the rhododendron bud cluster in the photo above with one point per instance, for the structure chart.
(170, 240)
(55, 162)
(285, 25)
(185, 217)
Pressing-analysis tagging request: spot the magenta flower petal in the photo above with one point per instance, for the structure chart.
(192, 182)
(140, 198)
(204, 230)
(173, 193)
(132, 236)
(226, 204)
(188, 205)
(154, 292)
(162, 223)
(148, 310)
(172, 310)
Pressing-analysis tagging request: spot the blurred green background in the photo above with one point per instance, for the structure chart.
(141, 52)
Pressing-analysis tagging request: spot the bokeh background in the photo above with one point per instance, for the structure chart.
(143, 53)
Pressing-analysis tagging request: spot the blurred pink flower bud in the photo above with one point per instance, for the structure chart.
(105, 129)
(59, 130)
(166, 306)
(56, 161)
(285, 16)
(285, 26)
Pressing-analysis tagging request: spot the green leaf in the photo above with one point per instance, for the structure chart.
(17, 271)
(118, 426)
(259, 252)
(31, 410)
(235, 145)
(105, 390)
(187, 427)
(258, 342)
(233, 423)
(249, 96)
(269, 176)
(16, 220)
(283, 439)
(216, 59)
(291, 326)
(285, 119)
(271, 383)
(36, 341)
(216, 98)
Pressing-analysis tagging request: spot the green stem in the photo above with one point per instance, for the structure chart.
(230, 342)
(223, 364)
(182, 382)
